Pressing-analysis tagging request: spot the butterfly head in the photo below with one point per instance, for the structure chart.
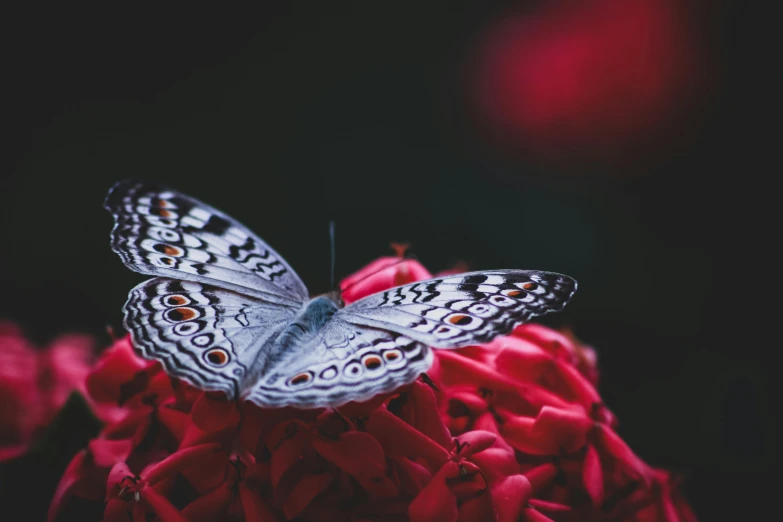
(335, 296)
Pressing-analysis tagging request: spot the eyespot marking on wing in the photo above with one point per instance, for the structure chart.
(372, 362)
(217, 357)
(392, 355)
(353, 370)
(184, 313)
(203, 340)
(176, 300)
(189, 328)
(328, 373)
(301, 379)
(169, 250)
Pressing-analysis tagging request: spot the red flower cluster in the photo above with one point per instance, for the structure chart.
(513, 430)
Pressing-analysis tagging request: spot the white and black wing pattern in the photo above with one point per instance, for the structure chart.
(464, 309)
(345, 363)
(210, 337)
(161, 232)
(382, 342)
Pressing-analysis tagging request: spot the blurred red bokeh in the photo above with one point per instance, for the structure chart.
(590, 80)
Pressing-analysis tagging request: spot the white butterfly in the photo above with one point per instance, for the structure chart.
(227, 313)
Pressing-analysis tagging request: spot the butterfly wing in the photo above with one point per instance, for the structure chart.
(464, 309)
(345, 363)
(162, 232)
(210, 337)
(381, 342)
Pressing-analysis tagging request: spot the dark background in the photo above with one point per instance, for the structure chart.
(289, 117)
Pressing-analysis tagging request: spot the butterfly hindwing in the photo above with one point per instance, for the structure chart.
(464, 309)
(345, 363)
(162, 232)
(208, 336)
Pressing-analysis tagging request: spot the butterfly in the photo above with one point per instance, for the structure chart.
(226, 313)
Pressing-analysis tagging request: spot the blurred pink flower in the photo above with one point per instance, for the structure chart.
(591, 79)
(35, 383)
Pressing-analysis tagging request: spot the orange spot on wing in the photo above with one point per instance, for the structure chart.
(300, 379)
(181, 314)
(459, 319)
(372, 363)
(217, 356)
(176, 300)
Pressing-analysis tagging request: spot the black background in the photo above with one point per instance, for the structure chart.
(289, 117)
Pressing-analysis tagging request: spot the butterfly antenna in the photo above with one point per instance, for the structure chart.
(332, 248)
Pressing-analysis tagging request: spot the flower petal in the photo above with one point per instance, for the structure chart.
(421, 412)
(549, 507)
(593, 476)
(466, 403)
(400, 439)
(107, 453)
(436, 502)
(608, 441)
(161, 506)
(532, 515)
(355, 452)
(118, 475)
(378, 486)
(541, 476)
(116, 510)
(211, 506)
(11, 452)
(411, 475)
(304, 492)
(178, 461)
(214, 414)
(469, 481)
(496, 463)
(254, 507)
(175, 421)
(73, 473)
(477, 508)
(289, 452)
(510, 495)
(117, 366)
(474, 442)
(554, 431)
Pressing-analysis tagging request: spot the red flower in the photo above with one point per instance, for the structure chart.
(512, 430)
(594, 78)
(382, 274)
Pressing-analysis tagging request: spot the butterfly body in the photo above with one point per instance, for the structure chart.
(226, 313)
